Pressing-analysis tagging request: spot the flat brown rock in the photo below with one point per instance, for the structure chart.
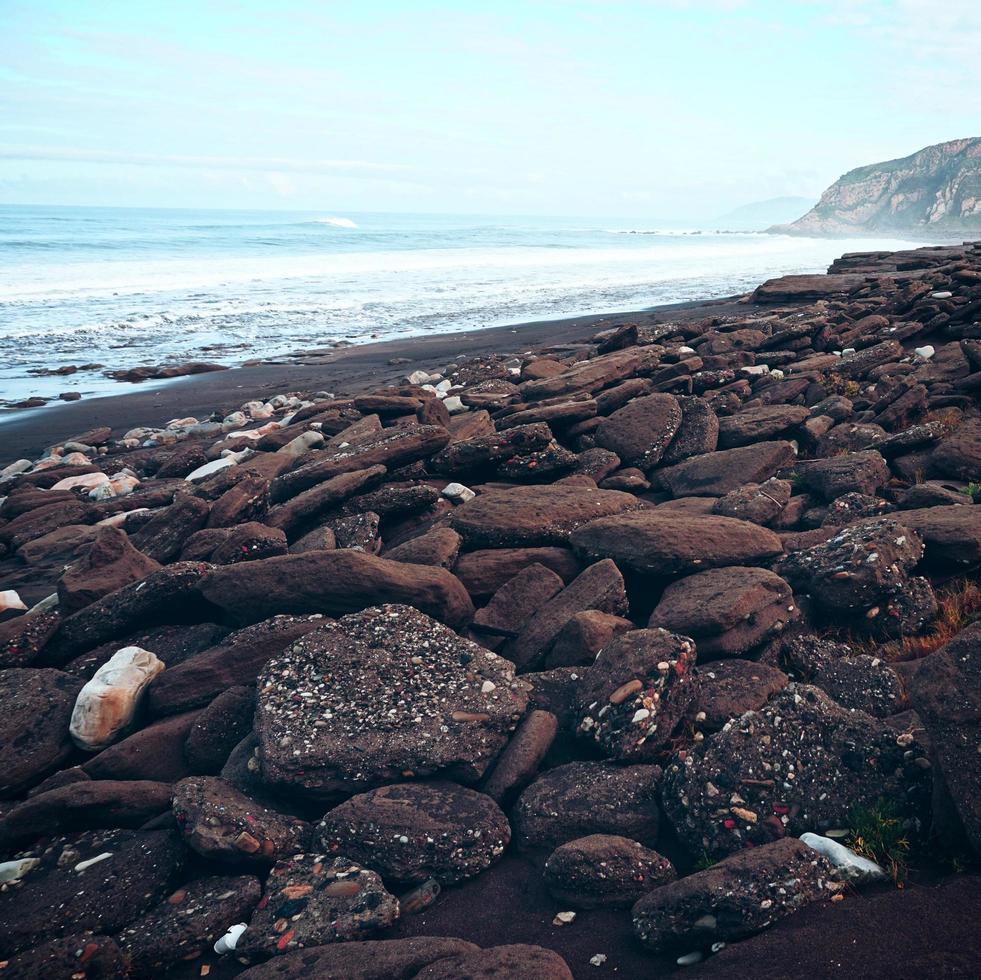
(715, 474)
(640, 432)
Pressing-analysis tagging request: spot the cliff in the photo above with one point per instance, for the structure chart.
(936, 191)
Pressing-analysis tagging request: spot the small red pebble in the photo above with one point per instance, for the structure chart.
(780, 809)
(729, 824)
(285, 939)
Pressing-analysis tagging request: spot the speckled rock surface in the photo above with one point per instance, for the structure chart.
(412, 832)
(315, 899)
(517, 962)
(604, 870)
(379, 695)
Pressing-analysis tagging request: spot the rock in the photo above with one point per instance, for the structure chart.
(185, 925)
(583, 636)
(727, 611)
(517, 600)
(865, 683)
(247, 500)
(518, 763)
(852, 507)
(137, 605)
(640, 432)
(534, 516)
(163, 536)
(412, 832)
(83, 956)
(959, 455)
(405, 695)
(218, 728)
(100, 880)
(859, 566)
(373, 959)
(729, 688)
(155, 752)
(237, 659)
(583, 798)
(518, 962)
(299, 512)
(480, 454)
(220, 823)
(636, 692)
(107, 704)
(760, 503)
(655, 543)
(754, 425)
(862, 472)
(950, 534)
(249, 542)
(484, 572)
(39, 521)
(439, 547)
(946, 693)
(848, 865)
(83, 805)
(715, 474)
(600, 587)
(22, 639)
(592, 375)
(697, 434)
(733, 899)
(35, 709)
(734, 788)
(312, 900)
(107, 564)
(319, 539)
(604, 871)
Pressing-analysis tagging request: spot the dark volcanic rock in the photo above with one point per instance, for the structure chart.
(83, 956)
(534, 516)
(23, 638)
(334, 582)
(583, 636)
(517, 962)
(163, 536)
(412, 832)
(372, 959)
(69, 891)
(221, 823)
(636, 692)
(188, 922)
(583, 798)
(959, 455)
(35, 709)
(727, 611)
(381, 695)
(439, 547)
(656, 543)
(517, 764)
(760, 503)
(515, 602)
(753, 425)
(715, 474)
(733, 899)
(865, 683)
(698, 432)
(155, 752)
(640, 432)
(312, 900)
(729, 688)
(946, 693)
(484, 572)
(862, 472)
(218, 728)
(950, 534)
(604, 871)
(839, 759)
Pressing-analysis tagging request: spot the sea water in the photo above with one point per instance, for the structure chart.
(121, 287)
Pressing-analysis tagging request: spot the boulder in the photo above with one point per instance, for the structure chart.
(484, 572)
(715, 474)
(727, 611)
(439, 547)
(517, 962)
(698, 432)
(534, 516)
(864, 683)
(753, 425)
(412, 832)
(35, 709)
(83, 956)
(107, 564)
(186, 924)
(298, 512)
(333, 583)
(863, 472)
(604, 871)
(760, 503)
(220, 823)
(249, 542)
(583, 798)
(218, 728)
(583, 636)
(23, 638)
(734, 898)
(951, 534)
(518, 763)
(382, 695)
(640, 432)
(729, 688)
(959, 455)
(154, 752)
(107, 704)
(594, 374)
(839, 760)
(312, 900)
(515, 602)
(163, 536)
(99, 880)
(660, 543)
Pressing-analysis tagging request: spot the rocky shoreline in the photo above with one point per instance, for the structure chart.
(536, 661)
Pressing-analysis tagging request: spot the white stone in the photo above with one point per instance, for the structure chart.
(182, 423)
(444, 385)
(925, 353)
(303, 443)
(19, 466)
(234, 420)
(86, 480)
(229, 941)
(755, 369)
(16, 869)
(453, 405)
(417, 377)
(597, 959)
(564, 918)
(690, 959)
(208, 469)
(851, 866)
(108, 702)
(10, 600)
(941, 294)
(458, 493)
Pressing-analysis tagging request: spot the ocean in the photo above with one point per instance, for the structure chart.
(121, 287)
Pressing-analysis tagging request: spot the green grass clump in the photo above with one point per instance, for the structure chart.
(876, 832)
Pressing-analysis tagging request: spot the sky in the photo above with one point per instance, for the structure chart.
(662, 108)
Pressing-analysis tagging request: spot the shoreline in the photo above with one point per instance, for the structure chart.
(344, 371)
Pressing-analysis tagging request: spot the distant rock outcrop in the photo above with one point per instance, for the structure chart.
(936, 190)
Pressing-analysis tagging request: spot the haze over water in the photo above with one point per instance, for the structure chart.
(124, 287)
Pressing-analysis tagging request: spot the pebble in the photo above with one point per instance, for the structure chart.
(690, 959)
(852, 867)
(458, 493)
(564, 919)
(229, 941)
(208, 469)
